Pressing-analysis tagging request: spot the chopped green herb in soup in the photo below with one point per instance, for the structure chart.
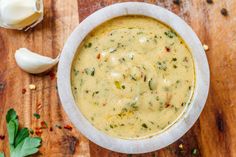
(133, 77)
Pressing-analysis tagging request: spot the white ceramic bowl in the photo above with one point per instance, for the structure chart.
(176, 130)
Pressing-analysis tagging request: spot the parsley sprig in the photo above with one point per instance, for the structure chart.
(21, 144)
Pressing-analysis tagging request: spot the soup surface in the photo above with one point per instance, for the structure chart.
(132, 77)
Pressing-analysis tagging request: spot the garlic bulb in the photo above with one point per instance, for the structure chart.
(32, 62)
(20, 14)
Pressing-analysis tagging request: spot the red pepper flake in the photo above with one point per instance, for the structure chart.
(44, 125)
(52, 75)
(51, 129)
(99, 56)
(167, 49)
(38, 132)
(2, 137)
(68, 127)
(23, 91)
(38, 107)
(37, 128)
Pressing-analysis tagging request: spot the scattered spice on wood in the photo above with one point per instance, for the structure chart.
(224, 12)
(52, 75)
(2, 86)
(2, 137)
(31, 131)
(58, 126)
(205, 47)
(68, 127)
(38, 107)
(36, 115)
(32, 87)
(181, 146)
(99, 56)
(44, 125)
(177, 2)
(209, 1)
(23, 91)
(194, 151)
(38, 132)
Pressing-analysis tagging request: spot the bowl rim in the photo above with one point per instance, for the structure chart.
(184, 123)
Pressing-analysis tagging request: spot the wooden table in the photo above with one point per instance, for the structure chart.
(213, 135)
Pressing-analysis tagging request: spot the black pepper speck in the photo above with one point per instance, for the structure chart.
(177, 2)
(209, 1)
(224, 12)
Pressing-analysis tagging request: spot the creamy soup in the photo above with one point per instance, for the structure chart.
(132, 77)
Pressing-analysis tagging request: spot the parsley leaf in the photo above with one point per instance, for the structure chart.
(12, 125)
(11, 115)
(22, 134)
(12, 128)
(21, 144)
(1, 154)
(27, 147)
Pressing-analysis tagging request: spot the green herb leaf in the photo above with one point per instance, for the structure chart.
(22, 134)
(162, 65)
(117, 84)
(11, 114)
(31, 131)
(144, 126)
(152, 84)
(88, 45)
(194, 151)
(90, 71)
(12, 128)
(1, 154)
(21, 144)
(36, 115)
(170, 34)
(27, 147)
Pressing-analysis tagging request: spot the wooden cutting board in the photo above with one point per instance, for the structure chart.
(213, 135)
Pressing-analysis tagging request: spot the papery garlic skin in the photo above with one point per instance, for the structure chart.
(32, 62)
(20, 14)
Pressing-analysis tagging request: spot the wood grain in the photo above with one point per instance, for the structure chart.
(214, 134)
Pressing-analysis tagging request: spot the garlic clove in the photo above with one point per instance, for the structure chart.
(18, 14)
(34, 63)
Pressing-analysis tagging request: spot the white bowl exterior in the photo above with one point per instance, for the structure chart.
(141, 145)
